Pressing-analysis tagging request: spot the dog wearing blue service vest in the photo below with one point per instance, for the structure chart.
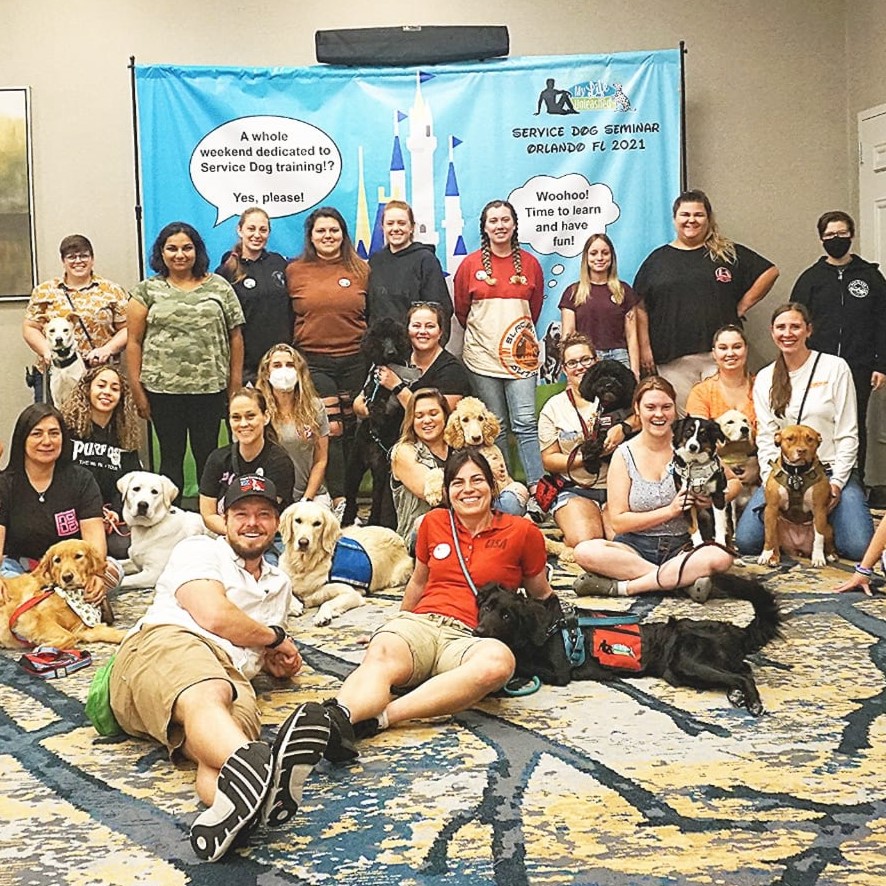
(334, 569)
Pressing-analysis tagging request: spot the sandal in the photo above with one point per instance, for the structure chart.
(592, 585)
(700, 589)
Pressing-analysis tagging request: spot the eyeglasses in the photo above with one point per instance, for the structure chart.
(833, 235)
(589, 360)
(433, 305)
(78, 256)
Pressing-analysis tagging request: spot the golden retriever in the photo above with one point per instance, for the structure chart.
(68, 565)
(310, 533)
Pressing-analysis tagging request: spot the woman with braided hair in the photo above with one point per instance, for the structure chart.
(499, 291)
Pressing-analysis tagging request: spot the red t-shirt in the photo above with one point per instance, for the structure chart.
(509, 551)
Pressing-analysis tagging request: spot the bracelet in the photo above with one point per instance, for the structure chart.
(626, 429)
(395, 391)
(279, 636)
(863, 570)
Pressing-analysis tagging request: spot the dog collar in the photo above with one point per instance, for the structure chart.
(67, 361)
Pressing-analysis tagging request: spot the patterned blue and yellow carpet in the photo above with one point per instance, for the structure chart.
(629, 783)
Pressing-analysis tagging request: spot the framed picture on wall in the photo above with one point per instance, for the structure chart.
(18, 263)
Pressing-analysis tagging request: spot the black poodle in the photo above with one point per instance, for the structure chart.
(385, 343)
(613, 384)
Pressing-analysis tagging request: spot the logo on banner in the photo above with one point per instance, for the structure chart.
(723, 275)
(590, 95)
(518, 349)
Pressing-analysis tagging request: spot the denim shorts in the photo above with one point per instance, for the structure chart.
(654, 548)
(563, 497)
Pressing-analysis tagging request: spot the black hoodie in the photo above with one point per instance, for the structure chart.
(848, 308)
(397, 279)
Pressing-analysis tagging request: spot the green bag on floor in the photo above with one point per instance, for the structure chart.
(98, 701)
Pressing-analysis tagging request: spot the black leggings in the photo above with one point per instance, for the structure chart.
(338, 381)
(178, 416)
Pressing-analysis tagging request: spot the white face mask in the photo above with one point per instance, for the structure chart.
(283, 378)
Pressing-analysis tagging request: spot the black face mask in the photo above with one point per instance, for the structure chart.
(837, 247)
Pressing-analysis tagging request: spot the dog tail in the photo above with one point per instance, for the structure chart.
(766, 624)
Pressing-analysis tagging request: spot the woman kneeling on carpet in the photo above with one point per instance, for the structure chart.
(429, 651)
(646, 509)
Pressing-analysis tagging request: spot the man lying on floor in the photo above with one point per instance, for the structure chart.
(181, 676)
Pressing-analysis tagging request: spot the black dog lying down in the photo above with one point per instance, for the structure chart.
(682, 651)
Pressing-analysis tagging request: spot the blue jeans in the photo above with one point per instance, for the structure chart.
(513, 401)
(10, 568)
(851, 520)
(620, 354)
(508, 503)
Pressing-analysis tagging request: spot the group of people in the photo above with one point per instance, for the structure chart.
(273, 347)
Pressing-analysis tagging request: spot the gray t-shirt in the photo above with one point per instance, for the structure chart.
(299, 443)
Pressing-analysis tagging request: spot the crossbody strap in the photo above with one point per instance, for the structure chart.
(808, 385)
(79, 318)
(461, 559)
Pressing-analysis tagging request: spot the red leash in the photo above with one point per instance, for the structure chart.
(21, 610)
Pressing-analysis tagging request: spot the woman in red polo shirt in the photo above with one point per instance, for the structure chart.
(429, 650)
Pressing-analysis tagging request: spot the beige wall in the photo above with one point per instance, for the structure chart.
(761, 80)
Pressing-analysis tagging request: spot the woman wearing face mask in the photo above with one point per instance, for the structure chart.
(404, 272)
(253, 451)
(298, 418)
(105, 433)
(846, 298)
(259, 280)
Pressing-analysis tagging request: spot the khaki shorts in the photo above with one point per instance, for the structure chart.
(154, 666)
(438, 644)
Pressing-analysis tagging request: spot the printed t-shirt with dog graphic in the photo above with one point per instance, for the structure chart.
(598, 317)
(688, 296)
(499, 320)
(35, 522)
(186, 349)
(101, 306)
(510, 549)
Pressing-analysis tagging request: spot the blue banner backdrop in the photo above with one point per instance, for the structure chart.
(579, 144)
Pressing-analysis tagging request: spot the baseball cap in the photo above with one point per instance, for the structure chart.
(249, 486)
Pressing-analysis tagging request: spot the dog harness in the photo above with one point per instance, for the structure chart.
(697, 477)
(351, 564)
(798, 478)
(615, 639)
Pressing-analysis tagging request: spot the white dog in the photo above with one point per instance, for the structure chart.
(317, 555)
(67, 365)
(156, 526)
(739, 452)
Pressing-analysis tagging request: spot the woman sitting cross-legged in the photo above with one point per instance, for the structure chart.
(429, 651)
(646, 509)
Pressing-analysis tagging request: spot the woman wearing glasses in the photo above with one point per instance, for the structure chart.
(565, 422)
(601, 306)
(100, 306)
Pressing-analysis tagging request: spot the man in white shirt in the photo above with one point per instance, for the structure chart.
(182, 675)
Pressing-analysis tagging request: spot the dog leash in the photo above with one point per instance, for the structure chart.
(691, 550)
(50, 662)
(21, 609)
(516, 687)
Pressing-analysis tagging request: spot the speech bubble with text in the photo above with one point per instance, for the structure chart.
(281, 164)
(558, 214)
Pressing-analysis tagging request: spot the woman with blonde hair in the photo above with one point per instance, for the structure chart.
(691, 287)
(259, 280)
(297, 417)
(601, 307)
(105, 435)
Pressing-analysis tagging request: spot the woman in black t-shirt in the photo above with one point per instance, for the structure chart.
(45, 498)
(105, 433)
(253, 451)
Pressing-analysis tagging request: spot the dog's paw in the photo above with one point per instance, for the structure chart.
(433, 490)
(296, 607)
(755, 707)
(321, 619)
(818, 561)
(768, 558)
(736, 698)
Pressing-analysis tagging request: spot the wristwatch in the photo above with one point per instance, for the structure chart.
(279, 636)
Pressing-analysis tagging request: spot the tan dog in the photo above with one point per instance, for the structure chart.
(797, 494)
(471, 423)
(67, 565)
(310, 535)
(739, 452)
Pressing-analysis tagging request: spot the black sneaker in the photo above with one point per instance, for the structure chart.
(367, 728)
(342, 740)
(298, 748)
(243, 783)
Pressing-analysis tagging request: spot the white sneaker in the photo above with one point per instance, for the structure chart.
(339, 510)
(534, 511)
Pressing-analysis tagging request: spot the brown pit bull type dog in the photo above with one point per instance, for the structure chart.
(797, 494)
